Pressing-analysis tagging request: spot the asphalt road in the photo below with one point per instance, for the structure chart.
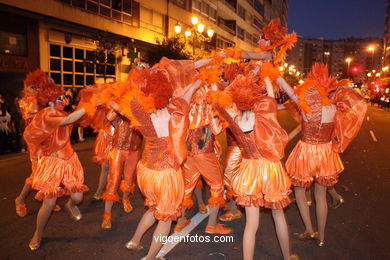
(357, 230)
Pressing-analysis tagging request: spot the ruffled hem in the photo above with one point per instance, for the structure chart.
(301, 183)
(187, 203)
(172, 215)
(230, 195)
(76, 188)
(280, 204)
(250, 201)
(43, 195)
(214, 201)
(110, 197)
(126, 188)
(327, 181)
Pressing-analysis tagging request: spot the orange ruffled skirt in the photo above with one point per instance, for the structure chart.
(102, 147)
(52, 171)
(261, 183)
(308, 162)
(163, 191)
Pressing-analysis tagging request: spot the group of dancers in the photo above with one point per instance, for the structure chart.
(176, 108)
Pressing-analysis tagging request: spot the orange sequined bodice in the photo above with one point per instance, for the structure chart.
(156, 154)
(126, 138)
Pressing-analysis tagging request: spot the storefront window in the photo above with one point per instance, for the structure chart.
(13, 44)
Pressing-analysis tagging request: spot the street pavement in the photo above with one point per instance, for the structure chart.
(359, 229)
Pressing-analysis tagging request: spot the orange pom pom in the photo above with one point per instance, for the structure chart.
(220, 98)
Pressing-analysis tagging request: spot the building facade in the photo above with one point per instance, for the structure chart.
(365, 56)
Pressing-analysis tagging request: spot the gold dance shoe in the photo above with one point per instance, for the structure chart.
(229, 216)
(127, 205)
(308, 236)
(320, 243)
(106, 223)
(294, 257)
(34, 245)
(338, 203)
(133, 246)
(74, 212)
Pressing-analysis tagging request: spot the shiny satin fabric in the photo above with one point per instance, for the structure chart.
(45, 136)
(205, 165)
(180, 73)
(293, 110)
(351, 109)
(163, 191)
(233, 158)
(319, 162)
(102, 147)
(316, 132)
(52, 171)
(271, 139)
(178, 129)
(120, 161)
(28, 107)
(261, 183)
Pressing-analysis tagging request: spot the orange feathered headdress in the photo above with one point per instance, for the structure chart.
(158, 88)
(49, 92)
(36, 78)
(280, 41)
(230, 71)
(244, 91)
(320, 73)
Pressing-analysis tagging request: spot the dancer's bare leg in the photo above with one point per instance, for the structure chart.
(182, 220)
(162, 230)
(145, 223)
(198, 195)
(251, 226)
(282, 232)
(23, 194)
(233, 206)
(102, 181)
(42, 219)
(321, 209)
(300, 197)
(213, 214)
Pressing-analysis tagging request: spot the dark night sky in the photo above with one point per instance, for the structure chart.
(335, 19)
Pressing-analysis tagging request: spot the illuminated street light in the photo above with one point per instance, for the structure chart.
(200, 27)
(369, 74)
(378, 74)
(385, 68)
(298, 73)
(194, 20)
(301, 82)
(187, 33)
(177, 28)
(210, 32)
(371, 48)
(281, 68)
(348, 61)
(285, 64)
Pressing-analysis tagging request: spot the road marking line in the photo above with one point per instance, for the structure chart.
(373, 136)
(368, 118)
(195, 221)
(294, 132)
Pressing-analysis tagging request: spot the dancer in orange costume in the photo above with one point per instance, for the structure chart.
(29, 107)
(123, 158)
(260, 179)
(159, 171)
(328, 125)
(103, 145)
(202, 161)
(58, 171)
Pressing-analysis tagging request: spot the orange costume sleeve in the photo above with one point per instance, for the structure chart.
(351, 109)
(270, 137)
(178, 129)
(181, 74)
(44, 132)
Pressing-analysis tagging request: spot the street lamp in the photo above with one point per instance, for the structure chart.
(196, 31)
(371, 48)
(348, 61)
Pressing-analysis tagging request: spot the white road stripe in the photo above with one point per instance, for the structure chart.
(294, 132)
(368, 118)
(195, 221)
(373, 136)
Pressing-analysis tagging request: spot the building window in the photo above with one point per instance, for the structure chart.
(259, 7)
(240, 33)
(13, 43)
(241, 12)
(119, 10)
(223, 43)
(185, 4)
(257, 23)
(79, 67)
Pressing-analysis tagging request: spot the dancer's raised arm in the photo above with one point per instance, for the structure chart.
(188, 94)
(73, 117)
(287, 88)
